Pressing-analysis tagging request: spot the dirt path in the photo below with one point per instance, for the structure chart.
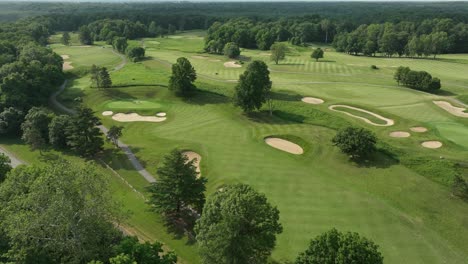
(15, 162)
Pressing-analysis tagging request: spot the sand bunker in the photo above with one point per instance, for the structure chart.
(389, 122)
(456, 111)
(432, 144)
(67, 65)
(284, 145)
(107, 113)
(418, 129)
(400, 134)
(193, 155)
(312, 100)
(134, 117)
(161, 114)
(65, 57)
(232, 64)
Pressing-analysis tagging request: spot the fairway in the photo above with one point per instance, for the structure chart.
(413, 218)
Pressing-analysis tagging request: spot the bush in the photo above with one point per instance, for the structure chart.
(374, 67)
(356, 142)
(419, 80)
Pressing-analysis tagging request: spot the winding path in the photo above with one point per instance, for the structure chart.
(14, 161)
(125, 148)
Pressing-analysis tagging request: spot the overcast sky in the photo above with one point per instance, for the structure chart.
(127, 1)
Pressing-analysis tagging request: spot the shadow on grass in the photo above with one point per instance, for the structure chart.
(444, 93)
(278, 117)
(379, 159)
(117, 94)
(204, 97)
(114, 157)
(181, 225)
(285, 96)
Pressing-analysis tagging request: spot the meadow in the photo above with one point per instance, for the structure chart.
(400, 199)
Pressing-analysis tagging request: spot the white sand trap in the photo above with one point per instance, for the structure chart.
(312, 100)
(161, 114)
(400, 134)
(432, 144)
(193, 155)
(67, 65)
(134, 117)
(107, 113)
(456, 111)
(389, 122)
(82, 46)
(232, 64)
(418, 129)
(284, 145)
(65, 57)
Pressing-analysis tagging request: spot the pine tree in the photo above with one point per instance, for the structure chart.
(95, 82)
(178, 186)
(104, 78)
(66, 39)
(83, 135)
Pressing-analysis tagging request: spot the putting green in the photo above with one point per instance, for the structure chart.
(454, 132)
(132, 104)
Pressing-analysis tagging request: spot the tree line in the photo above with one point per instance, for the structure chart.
(420, 80)
(428, 38)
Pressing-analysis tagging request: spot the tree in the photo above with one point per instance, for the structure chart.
(231, 50)
(57, 131)
(325, 24)
(114, 133)
(182, 78)
(460, 188)
(144, 252)
(153, 29)
(84, 34)
(135, 53)
(36, 127)
(178, 186)
(120, 44)
(5, 166)
(356, 142)
(278, 52)
(334, 247)
(83, 135)
(400, 74)
(317, 54)
(10, 121)
(94, 72)
(254, 87)
(171, 29)
(104, 78)
(238, 225)
(439, 43)
(66, 213)
(65, 39)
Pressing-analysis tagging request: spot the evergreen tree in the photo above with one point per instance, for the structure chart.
(182, 78)
(65, 39)
(104, 78)
(178, 186)
(114, 133)
(84, 35)
(57, 131)
(83, 135)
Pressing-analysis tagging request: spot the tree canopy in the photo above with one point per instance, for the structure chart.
(238, 225)
(317, 54)
(254, 87)
(182, 78)
(278, 52)
(58, 213)
(334, 247)
(356, 142)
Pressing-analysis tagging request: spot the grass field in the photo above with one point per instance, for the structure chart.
(393, 199)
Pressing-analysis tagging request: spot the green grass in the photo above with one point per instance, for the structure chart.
(405, 207)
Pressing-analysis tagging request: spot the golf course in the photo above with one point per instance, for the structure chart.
(400, 199)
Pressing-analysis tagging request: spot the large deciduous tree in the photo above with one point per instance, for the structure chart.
(120, 44)
(278, 52)
(238, 225)
(136, 252)
(135, 53)
(36, 127)
(254, 87)
(182, 78)
(58, 213)
(10, 121)
(57, 131)
(84, 34)
(334, 247)
(178, 187)
(231, 50)
(65, 39)
(356, 142)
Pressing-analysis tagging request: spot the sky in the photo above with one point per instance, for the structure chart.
(128, 1)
